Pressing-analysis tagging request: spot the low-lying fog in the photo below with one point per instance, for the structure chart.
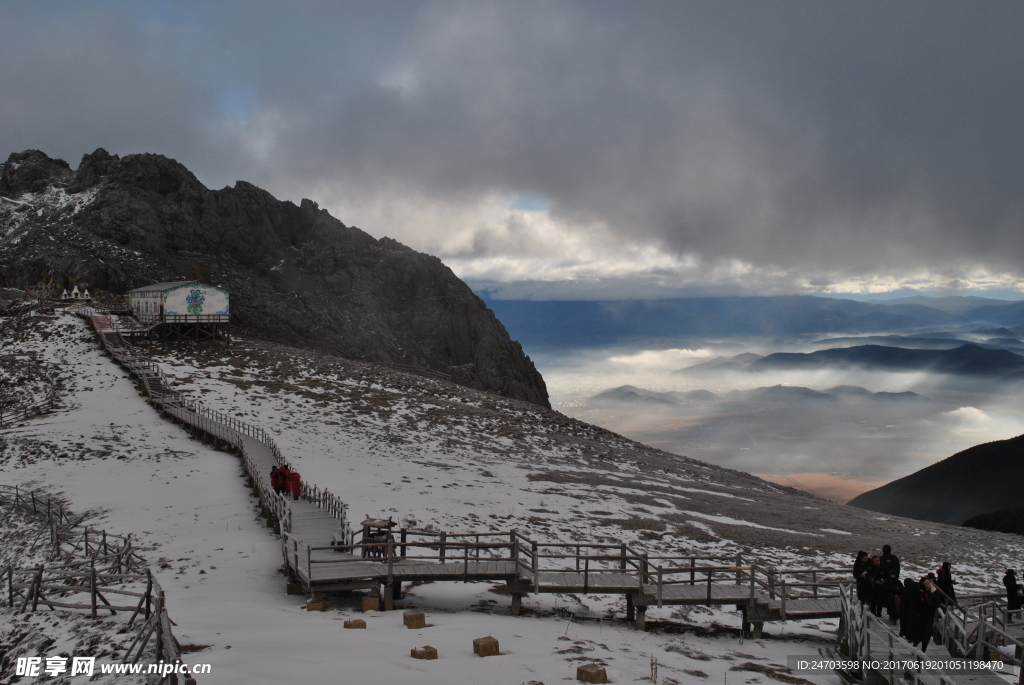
(837, 441)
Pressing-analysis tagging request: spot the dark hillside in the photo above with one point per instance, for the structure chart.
(1002, 521)
(296, 274)
(981, 479)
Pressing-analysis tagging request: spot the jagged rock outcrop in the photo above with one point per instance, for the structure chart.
(296, 274)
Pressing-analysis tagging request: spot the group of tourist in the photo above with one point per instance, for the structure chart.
(908, 602)
(912, 603)
(285, 481)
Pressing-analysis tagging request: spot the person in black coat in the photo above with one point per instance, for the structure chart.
(928, 602)
(891, 567)
(944, 581)
(908, 609)
(860, 576)
(879, 591)
(1012, 590)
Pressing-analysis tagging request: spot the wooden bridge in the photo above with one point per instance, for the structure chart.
(527, 566)
(323, 554)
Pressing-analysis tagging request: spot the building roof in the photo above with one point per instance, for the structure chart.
(160, 287)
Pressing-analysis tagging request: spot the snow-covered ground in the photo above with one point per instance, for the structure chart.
(437, 454)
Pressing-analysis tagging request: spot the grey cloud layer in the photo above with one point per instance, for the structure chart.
(851, 138)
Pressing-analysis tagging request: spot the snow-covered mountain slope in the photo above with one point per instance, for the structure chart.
(425, 450)
(388, 442)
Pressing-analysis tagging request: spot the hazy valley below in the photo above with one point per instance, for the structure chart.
(837, 413)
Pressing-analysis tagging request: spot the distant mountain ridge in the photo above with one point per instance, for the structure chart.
(968, 359)
(934, 341)
(776, 393)
(979, 480)
(595, 323)
(719, 364)
(961, 305)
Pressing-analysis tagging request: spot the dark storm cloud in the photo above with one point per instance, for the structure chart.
(823, 137)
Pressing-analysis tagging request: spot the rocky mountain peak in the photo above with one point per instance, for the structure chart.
(296, 273)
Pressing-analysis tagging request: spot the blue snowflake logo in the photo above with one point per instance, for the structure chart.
(195, 301)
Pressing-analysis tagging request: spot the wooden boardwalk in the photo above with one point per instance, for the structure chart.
(322, 555)
(892, 660)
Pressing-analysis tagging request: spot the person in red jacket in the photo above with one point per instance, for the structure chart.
(276, 480)
(294, 484)
(282, 479)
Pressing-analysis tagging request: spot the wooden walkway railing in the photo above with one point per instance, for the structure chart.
(981, 627)
(867, 638)
(84, 560)
(13, 415)
(218, 425)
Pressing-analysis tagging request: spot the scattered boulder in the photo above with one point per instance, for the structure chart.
(355, 623)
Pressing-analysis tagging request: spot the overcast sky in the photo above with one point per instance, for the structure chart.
(573, 149)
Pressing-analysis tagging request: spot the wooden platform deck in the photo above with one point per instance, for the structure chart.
(798, 609)
(333, 567)
(604, 583)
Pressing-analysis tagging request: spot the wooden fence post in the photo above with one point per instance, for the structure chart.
(149, 590)
(389, 592)
(536, 567)
(36, 588)
(159, 624)
(92, 586)
(309, 567)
